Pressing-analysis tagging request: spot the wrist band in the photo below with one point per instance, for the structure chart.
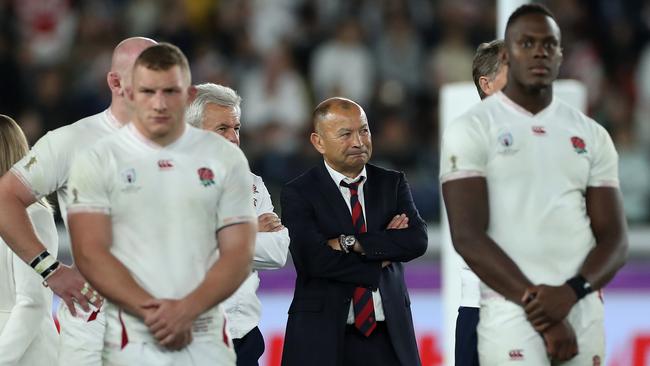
(44, 264)
(580, 286)
(39, 258)
(50, 270)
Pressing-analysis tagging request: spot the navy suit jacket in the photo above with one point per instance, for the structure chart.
(314, 211)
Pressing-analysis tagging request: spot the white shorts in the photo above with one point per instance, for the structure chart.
(198, 353)
(505, 337)
(82, 338)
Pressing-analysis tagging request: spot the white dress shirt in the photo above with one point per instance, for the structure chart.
(345, 192)
(243, 308)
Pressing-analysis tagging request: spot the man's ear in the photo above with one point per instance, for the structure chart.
(114, 81)
(191, 94)
(484, 83)
(317, 142)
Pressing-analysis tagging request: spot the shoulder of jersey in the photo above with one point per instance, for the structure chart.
(575, 115)
(73, 132)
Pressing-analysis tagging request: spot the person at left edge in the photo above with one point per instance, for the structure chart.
(351, 225)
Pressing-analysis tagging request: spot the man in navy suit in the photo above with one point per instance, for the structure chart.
(351, 225)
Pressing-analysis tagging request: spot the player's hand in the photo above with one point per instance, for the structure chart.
(398, 222)
(69, 285)
(268, 223)
(547, 305)
(170, 322)
(560, 340)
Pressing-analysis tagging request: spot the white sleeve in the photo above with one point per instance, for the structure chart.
(271, 249)
(44, 169)
(604, 168)
(88, 183)
(464, 152)
(236, 188)
(33, 300)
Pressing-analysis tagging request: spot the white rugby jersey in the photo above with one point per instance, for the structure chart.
(27, 332)
(166, 204)
(537, 169)
(243, 308)
(46, 168)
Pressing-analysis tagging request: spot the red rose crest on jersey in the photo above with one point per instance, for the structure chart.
(516, 355)
(206, 176)
(578, 145)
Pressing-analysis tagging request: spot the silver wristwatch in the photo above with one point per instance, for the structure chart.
(347, 242)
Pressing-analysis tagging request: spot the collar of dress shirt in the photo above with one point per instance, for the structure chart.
(338, 177)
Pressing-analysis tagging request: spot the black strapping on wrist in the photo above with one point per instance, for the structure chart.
(44, 254)
(580, 286)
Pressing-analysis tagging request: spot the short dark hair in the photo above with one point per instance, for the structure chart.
(163, 56)
(323, 108)
(486, 62)
(528, 9)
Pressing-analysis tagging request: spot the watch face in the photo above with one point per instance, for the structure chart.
(349, 240)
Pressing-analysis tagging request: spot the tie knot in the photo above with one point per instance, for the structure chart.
(353, 185)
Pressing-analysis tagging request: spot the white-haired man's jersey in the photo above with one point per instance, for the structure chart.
(244, 308)
(47, 166)
(165, 204)
(537, 168)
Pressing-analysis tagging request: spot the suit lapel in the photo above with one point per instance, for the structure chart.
(371, 198)
(333, 198)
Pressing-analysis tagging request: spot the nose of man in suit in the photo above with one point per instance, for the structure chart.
(342, 135)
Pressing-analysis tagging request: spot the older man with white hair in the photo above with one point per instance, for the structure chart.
(217, 108)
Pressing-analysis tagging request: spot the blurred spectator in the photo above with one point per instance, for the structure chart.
(344, 66)
(277, 104)
(451, 59)
(47, 29)
(399, 52)
(634, 174)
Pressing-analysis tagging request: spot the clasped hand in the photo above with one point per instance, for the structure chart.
(170, 322)
(546, 309)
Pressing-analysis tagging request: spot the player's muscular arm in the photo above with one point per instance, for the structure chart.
(604, 207)
(17, 231)
(173, 318)
(605, 210)
(15, 227)
(466, 201)
(91, 238)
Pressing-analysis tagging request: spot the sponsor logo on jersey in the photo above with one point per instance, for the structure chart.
(206, 176)
(539, 130)
(516, 355)
(578, 145)
(165, 164)
(31, 162)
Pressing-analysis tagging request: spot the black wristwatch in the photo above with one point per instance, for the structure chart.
(347, 242)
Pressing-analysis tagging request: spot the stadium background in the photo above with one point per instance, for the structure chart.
(392, 56)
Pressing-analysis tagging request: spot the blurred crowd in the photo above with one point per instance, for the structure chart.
(283, 56)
